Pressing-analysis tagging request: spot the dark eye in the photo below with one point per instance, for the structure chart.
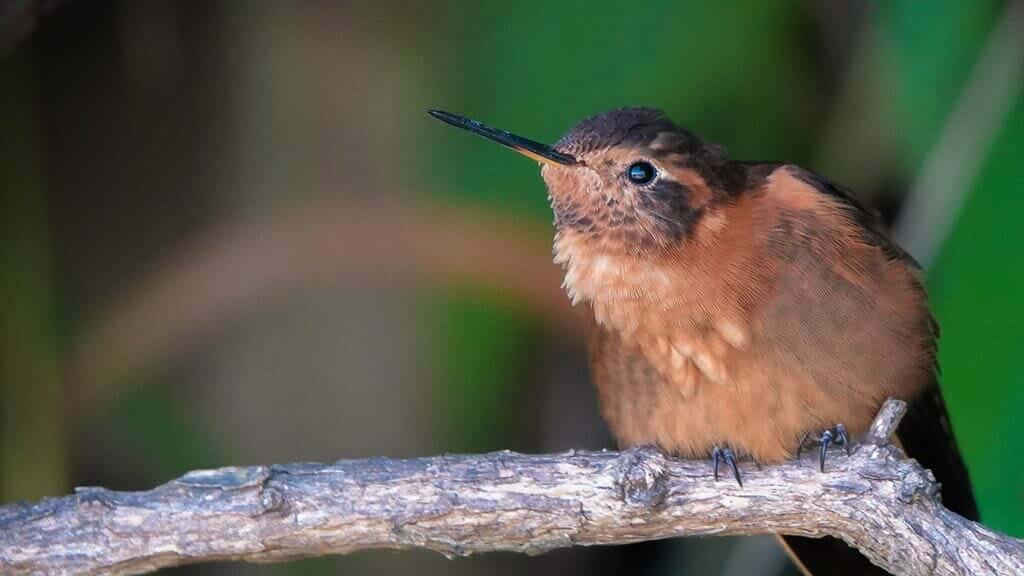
(641, 173)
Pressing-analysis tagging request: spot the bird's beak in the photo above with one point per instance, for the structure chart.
(536, 150)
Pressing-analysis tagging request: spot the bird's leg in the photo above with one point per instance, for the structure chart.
(836, 435)
(719, 455)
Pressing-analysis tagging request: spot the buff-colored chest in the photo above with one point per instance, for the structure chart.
(662, 311)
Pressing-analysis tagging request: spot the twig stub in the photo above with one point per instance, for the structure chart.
(886, 422)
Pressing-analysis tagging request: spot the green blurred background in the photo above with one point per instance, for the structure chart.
(230, 234)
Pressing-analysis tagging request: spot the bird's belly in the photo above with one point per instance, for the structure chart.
(689, 390)
(751, 417)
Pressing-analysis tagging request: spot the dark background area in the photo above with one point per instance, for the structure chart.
(231, 234)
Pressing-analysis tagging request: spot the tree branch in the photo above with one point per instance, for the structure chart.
(876, 500)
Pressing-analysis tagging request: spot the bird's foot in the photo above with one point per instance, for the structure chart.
(836, 435)
(719, 455)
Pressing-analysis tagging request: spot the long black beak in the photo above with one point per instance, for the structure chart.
(535, 150)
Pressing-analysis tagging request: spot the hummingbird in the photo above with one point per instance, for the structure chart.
(738, 309)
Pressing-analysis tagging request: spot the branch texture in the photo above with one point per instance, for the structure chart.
(876, 500)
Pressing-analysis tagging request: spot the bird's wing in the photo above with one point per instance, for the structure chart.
(925, 433)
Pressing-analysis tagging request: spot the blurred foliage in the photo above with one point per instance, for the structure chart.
(929, 53)
(976, 286)
(33, 443)
(478, 350)
(747, 74)
(973, 289)
(161, 438)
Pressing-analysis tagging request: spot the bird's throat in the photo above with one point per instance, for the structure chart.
(621, 288)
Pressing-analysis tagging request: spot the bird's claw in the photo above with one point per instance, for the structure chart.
(836, 435)
(719, 455)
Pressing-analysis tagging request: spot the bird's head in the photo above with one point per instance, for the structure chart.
(638, 201)
(628, 179)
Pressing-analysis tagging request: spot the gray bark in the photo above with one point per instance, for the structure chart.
(877, 500)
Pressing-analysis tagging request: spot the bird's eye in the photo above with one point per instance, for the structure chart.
(641, 173)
